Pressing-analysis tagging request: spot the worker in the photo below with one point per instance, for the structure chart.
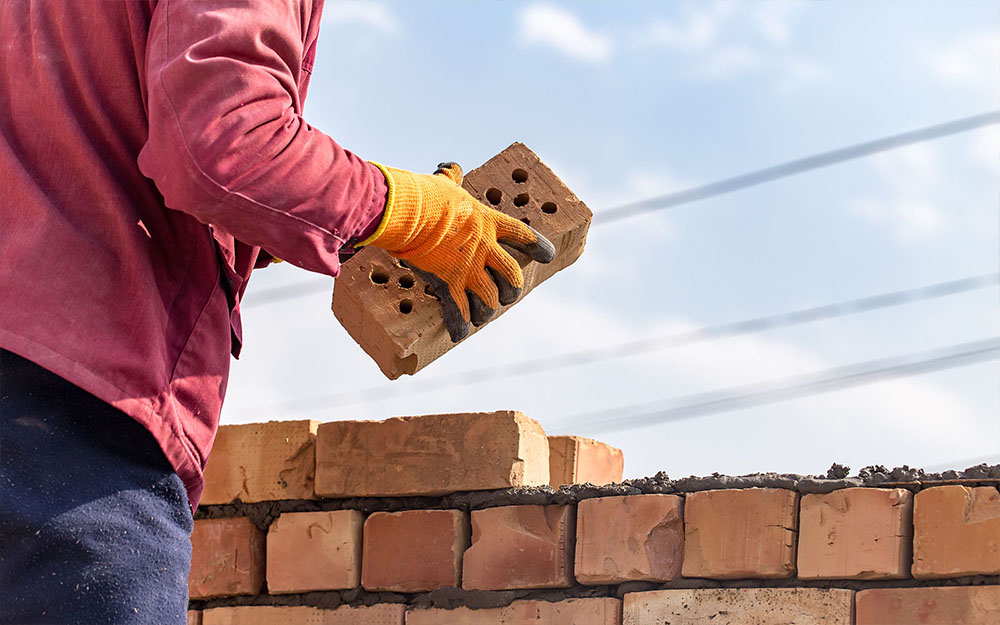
(152, 155)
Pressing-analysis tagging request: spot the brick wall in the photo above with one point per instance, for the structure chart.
(453, 519)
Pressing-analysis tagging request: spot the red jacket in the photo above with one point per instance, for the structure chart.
(148, 151)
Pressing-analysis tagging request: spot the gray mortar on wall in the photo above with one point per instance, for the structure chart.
(262, 514)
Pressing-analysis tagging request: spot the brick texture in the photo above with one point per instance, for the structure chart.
(430, 455)
(263, 615)
(974, 605)
(384, 614)
(194, 617)
(739, 606)
(956, 532)
(577, 460)
(414, 550)
(309, 551)
(589, 611)
(520, 547)
(856, 533)
(385, 307)
(740, 533)
(261, 462)
(227, 558)
(620, 539)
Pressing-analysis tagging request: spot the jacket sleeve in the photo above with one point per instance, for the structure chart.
(227, 142)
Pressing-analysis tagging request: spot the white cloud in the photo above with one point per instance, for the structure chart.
(773, 20)
(698, 30)
(729, 61)
(562, 30)
(986, 148)
(973, 60)
(907, 209)
(368, 13)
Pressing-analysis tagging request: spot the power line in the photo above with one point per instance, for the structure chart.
(645, 345)
(720, 187)
(798, 166)
(703, 404)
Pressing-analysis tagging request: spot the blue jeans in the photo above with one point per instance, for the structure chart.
(94, 524)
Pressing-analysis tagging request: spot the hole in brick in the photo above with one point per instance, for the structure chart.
(379, 275)
(406, 281)
(493, 196)
(521, 199)
(519, 175)
(526, 221)
(549, 207)
(405, 306)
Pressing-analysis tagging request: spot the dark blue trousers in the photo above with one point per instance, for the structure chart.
(94, 524)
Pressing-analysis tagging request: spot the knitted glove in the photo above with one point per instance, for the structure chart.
(453, 241)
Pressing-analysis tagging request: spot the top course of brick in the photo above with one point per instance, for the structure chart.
(389, 310)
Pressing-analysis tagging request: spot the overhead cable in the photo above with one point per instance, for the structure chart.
(640, 346)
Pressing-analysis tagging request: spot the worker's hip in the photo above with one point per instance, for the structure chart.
(94, 523)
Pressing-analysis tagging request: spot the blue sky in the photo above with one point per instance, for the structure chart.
(630, 100)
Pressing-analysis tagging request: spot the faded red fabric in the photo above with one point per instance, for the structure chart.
(149, 150)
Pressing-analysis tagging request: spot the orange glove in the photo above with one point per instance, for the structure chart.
(453, 242)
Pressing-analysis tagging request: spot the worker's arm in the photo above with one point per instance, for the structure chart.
(227, 142)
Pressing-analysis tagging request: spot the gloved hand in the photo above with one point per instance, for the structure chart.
(453, 241)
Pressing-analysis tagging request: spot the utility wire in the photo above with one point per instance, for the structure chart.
(798, 166)
(720, 187)
(645, 345)
(738, 397)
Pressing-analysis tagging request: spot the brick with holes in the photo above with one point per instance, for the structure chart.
(389, 310)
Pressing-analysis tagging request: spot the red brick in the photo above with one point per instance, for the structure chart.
(430, 455)
(739, 606)
(384, 614)
(194, 617)
(620, 539)
(740, 533)
(227, 558)
(520, 547)
(856, 533)
(309, 551)
(956, 532)
(261, 462)
(578, 460)
(414, 550)
(588, 611)
(263, 615)
(369, 295)
(957, 605)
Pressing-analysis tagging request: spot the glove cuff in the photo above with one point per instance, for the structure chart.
(390, 201)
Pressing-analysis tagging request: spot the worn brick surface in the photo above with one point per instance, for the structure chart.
(385, 307)
(414, 550)
(740, 533)
(739, 606)
(520, 547)
(956, 532)
(856, 533)
(384, 614)
(588, 611)
(227, 558)
(577, 460)
(260, 462)
(309, 551)
(430, 455)
(194, 617)
(974, 605)
(263, 615)
(620, 539)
